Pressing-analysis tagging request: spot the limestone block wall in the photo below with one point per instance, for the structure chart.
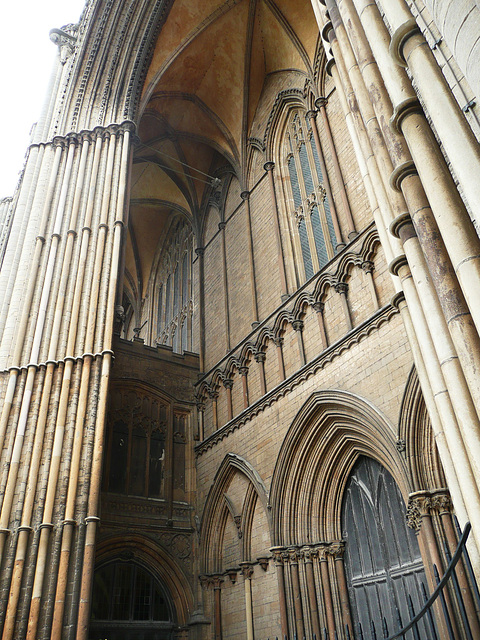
(374, 368)
(321, 314)
(458, 24)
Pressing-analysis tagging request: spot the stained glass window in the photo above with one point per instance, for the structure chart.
(313, 221)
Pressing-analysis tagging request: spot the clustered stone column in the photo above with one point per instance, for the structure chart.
(79, 232)
(245, 195)
(320, 308)
(416, 204)
(342, 289)
(281, 363)
(300, 594)
(430, 513)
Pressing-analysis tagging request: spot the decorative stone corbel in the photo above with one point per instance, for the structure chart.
(263, 561)
(232, 574)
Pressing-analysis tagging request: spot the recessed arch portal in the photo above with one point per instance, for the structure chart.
(326, 438)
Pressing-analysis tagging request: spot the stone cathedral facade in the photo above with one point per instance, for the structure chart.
(239, 325)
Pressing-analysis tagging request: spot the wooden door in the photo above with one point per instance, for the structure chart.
(384, 569)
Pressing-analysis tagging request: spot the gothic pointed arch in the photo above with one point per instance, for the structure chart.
(329, 433)
(417, 439)
(218, 507)
(146, 553)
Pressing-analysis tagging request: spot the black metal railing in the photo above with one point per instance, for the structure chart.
(383, 632)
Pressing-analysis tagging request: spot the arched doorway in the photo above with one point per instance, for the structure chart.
(384, 568)
(129, 603)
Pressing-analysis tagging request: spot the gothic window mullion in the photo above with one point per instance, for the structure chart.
(311, 238)
(299, 143)
(147, 465)
(129, 453)
(301, 210)
(320, 195)
(294, 208)
(160, 312)
(294, 222)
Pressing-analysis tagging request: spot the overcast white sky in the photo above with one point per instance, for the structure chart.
(26, 60)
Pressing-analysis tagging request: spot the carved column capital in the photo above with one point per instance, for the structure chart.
(260, 356)
(441, 501)
(243, 371)
(232, 574)
(294, 555)
(217, 581)
(311, 114)
(321, 102)
(278, 342)
(65, 39)
(298, 325)
(341, 287)
(247, 570)
(269, 166)
(419, 505)
(245, 195)
(319, 306)
(336, 549)
(228, 383)
(367, 266)
(205, 582)
(309, 553)
(200, 251)
(322, 552)
(277, 555)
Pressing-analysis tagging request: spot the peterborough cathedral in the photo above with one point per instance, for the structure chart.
(240, 327)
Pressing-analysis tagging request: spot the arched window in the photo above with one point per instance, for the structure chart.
(315, 239)
(384, 568)
(174, 283)
(136, 453)
(160, 309)
(168, 302)
(129, 603)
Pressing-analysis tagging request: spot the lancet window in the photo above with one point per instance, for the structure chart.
(136, 456)
(310, 209)
(174, 305)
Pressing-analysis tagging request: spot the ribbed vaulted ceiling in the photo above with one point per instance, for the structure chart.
(204, 86)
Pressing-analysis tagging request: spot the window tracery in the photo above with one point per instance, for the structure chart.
(173, 284)
(315, 232)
